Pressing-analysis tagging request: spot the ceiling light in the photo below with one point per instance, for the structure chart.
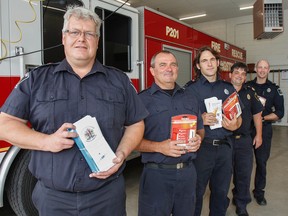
(127, 3)
(192, 17)
(247, 7)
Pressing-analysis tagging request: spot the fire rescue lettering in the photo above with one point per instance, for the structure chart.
(216, 46)
(237, 54)
(171, 32)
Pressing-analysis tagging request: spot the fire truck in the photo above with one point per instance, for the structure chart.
(30, 35)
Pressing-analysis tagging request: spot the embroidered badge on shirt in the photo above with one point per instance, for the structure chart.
(248, 97)
(226, 91)
(279, 92)
(269, 90)
(25, 77)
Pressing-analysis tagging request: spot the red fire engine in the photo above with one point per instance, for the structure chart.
(30, 35)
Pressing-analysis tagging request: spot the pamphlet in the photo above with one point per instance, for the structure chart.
(232, 106)
(183, 127)
(213, 105)
(93, 145)
(262, 100)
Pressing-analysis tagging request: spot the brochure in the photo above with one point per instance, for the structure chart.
(232, 106)
(262, 100)
(213, 105)
(93, 145)
(183, 127)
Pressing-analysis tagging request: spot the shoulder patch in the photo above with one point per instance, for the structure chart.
(25, 77)
(280, 92)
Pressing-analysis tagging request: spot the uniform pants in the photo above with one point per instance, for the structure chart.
(214, 165)
(242, 169)
(163, 192)
(107, 200)
(262, 155)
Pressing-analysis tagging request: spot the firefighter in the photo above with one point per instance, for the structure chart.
(243, 143)
(54, 96)
(168, 181)
(214, 158)
(273, 101)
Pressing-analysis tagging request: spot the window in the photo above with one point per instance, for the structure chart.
(115, 41)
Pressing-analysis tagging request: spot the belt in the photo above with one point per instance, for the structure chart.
(167, 166)
(216, 142)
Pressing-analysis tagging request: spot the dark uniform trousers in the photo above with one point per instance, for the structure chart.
(262, 155)
(107, 200)
(214, 163)
(243, 165)
(164, 191)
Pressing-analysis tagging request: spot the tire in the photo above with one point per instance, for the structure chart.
(19, 186)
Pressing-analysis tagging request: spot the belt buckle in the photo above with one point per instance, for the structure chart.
(237, 136)
(215, 143)
(179, 165)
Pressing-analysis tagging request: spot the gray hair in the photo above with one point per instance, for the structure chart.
(81, 13)
(152, 62)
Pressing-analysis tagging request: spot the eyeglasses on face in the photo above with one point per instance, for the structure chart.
(76, 33)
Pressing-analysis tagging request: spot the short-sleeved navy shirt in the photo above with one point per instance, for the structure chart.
(53, 94)
(252, 106)
(162, 106)
(203, 89)
(273, 95)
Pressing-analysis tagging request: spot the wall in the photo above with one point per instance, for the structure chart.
(239, 31)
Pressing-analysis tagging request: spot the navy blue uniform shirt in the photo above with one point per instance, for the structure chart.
(273, 95)
(162, 106)
(204, 89)
(252, 106)
(53, 94)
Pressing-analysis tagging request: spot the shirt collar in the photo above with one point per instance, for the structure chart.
(154, 88)
(203, 79)
(65, 66)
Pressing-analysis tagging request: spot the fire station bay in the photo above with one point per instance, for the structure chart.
(252, 33)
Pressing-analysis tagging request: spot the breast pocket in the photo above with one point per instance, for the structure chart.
(190, 109)
(158, 113)
(108, 107)
(50, 108)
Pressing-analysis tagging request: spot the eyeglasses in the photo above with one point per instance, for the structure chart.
(76, 34)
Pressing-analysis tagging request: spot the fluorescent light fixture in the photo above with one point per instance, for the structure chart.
(127, 3)
(193, 17)
(247, 7)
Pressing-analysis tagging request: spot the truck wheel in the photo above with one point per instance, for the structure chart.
(20, 184)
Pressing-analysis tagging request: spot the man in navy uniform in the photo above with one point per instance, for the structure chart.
(168, 181)
(54, 96)
(243, 144)
(214, 158)
(273, 101)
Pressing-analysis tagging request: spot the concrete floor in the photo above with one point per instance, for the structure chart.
(276, 189)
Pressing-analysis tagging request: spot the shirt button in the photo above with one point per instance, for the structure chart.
(51, 97)
(81, 159)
